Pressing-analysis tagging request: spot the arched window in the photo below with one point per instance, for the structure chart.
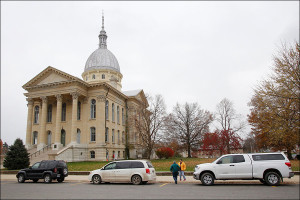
(103, 76)
(123, 137)
(49, 113)
(118, 115)
(123, 122)
(113, 136)
(49, 135)
(118, 137)
(63, 112)
(35, 137)
(92, 153)
(106, 134)
(106, 110)
(93, 109)
(113, 112)
(78, 110)
(36, 114)
(78, 136)
(93, 76)
(93, 134)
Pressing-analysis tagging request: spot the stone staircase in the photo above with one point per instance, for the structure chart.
(43, 154)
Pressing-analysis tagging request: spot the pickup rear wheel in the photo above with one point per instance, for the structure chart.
(272, 178)
(207, 179)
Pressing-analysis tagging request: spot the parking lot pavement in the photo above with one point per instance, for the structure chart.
(163, 179)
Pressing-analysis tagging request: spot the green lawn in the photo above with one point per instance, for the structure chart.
(159, 164)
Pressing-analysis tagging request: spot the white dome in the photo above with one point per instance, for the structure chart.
(102, 58)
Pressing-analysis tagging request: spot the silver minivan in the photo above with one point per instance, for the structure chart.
(135, 171)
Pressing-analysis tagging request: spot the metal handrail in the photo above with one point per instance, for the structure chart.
(39, 151)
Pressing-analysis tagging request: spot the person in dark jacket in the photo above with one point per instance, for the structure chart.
(174, 169)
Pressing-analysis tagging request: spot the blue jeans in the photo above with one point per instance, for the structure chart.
(175, 174)
(181, 173)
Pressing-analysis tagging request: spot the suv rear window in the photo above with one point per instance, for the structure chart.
(268, 157)
(137, 164)
(149, 164)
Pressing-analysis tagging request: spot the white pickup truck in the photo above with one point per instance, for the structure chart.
(269, 168)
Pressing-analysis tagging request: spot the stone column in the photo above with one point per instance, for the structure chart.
(29, 139)
(100, 126)
(74, 117)
(42, 133)
(57, 144)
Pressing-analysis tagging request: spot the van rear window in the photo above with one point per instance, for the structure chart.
(149, 164)
(260, 157)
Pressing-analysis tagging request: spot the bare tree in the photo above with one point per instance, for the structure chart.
(187, 124)
(227, 117)
(148, 122)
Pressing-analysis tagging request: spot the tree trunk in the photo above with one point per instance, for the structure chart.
(189, 151)
(289, 154)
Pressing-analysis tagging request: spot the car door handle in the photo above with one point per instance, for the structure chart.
(231, 165)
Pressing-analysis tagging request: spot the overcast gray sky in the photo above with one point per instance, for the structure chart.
(187, 51)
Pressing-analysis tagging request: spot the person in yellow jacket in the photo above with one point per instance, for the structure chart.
(182, 168)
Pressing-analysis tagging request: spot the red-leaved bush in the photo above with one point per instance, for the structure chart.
(164, 152)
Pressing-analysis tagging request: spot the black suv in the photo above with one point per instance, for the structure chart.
(47, 169)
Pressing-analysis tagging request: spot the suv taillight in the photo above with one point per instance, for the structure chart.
(55, 170)
(288, 164)
(148, 171)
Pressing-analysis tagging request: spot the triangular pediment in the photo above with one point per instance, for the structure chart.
(49, 76)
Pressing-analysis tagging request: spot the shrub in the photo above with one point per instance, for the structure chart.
(164, 152)
(17, 156)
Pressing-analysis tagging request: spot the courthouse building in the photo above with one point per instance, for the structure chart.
(83, 119)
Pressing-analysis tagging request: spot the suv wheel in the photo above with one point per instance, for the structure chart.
(272, 178)
(21, 178)
(207, 179)
(96, 179)
(60, 179)
(136, 180)
(65, 171)
(47, 178)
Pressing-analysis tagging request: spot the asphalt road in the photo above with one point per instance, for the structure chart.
(84, 190)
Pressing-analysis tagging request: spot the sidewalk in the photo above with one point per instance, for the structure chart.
(163, 179)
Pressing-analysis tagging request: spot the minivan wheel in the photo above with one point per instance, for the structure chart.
(96, 179)
(272, 178)
(136, 180)
(47, 178)
(207, 179)
(21, 178)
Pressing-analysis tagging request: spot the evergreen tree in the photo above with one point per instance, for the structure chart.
(17, 156)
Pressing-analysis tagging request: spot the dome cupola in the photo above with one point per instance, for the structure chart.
(102, 65)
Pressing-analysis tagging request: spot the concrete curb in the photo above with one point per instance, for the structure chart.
(187, 173)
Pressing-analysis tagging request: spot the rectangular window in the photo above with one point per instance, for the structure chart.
(260, 157)
(118, 137)
(106, 134)
(118, 115)
(123, 137)
(123, 154)
(106, 110)
(113, 136)
(78, 110)
(113, 112)
(49, 113)
(123, 121)
(63, 112)
(93, 134)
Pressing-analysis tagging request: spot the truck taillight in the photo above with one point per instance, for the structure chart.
(288, 164)
(148, 171)
(55, 170)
